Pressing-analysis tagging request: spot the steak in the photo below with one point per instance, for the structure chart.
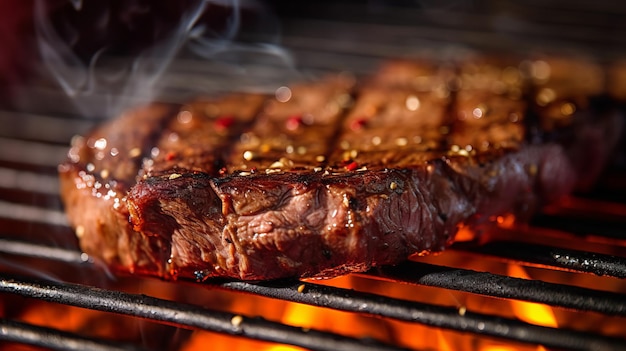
(336, 175)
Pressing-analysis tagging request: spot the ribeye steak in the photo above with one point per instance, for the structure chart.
(336, 175)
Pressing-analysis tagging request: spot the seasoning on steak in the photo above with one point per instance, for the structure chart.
(332, 176)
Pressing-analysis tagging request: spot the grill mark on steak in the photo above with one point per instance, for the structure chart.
(106, 160)
(174, 191)
(439, 82)
(240, 202)
(374, 135)
(295, 134)
(489, 111)
(202, 134)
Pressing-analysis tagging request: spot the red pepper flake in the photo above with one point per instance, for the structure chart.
(224, 122)
(293, 122)
(170, 156)
(352, 166)
(253, 170)
(358, 124)
(223, 171)
(346, 161)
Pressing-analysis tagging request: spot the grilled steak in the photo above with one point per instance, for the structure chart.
(333, 176)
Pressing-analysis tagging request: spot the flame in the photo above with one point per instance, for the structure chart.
(403, 334)
(531, 312)
(442, 340)
(499, 348)
(410, 335)
(502, 347)
(465, 233)
(67, 318)
(201, 340)
(284, 348)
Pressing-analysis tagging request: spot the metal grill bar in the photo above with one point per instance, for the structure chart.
(34, 153)
(555, 257)
(58, 129)
(507, 287)
(509, 26)
(428, 314)
(19, 248)
(53, 339)
(420, 273)
(29, 181)
(183, 315)
(32, 213)
(447, 277)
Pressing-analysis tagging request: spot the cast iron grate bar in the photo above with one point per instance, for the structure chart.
(428, 314)
(53, 339)
(420, 273)
(483, 283)
(460, 279)
(184, 315)
(554, 257)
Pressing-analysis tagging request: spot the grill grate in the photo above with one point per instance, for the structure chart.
(428, 314)
(554, 257)
(507, 287)
(183, 315)
(55, 340)
(190, 316)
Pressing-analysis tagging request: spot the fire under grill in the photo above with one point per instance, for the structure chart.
(195, 317)
(581, 300)
(568, 261)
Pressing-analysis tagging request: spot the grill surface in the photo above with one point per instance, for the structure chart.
(37, 249)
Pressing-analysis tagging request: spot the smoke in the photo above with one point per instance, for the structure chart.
(109, 55)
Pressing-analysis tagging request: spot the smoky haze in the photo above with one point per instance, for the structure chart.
(106, 56)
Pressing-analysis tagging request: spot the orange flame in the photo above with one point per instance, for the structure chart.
(534, 313)
(404, 334)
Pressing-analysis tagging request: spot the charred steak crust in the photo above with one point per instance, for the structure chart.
(332, 177)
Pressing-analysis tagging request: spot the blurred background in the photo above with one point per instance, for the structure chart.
(91, 51)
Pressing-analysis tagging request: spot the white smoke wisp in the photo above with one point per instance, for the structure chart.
(106, 83)
(208, 44)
